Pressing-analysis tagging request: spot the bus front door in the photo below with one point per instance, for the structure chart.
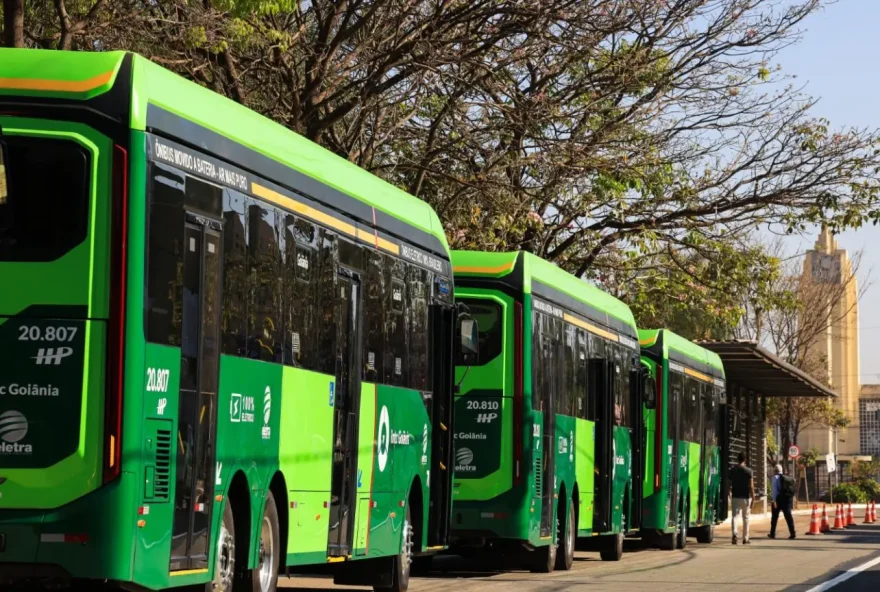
(343, 487)
(197, 409)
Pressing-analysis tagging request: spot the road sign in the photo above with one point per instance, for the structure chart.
(794, 452)
(829, 463)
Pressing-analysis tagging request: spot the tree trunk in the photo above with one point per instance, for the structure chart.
(13, 23)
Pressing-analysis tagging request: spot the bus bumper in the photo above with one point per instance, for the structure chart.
(86, 539)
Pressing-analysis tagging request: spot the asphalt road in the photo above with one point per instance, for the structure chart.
(806, 564)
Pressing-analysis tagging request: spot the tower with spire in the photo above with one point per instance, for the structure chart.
(833, 355)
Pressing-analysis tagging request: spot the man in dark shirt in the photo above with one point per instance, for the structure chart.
(742, 492)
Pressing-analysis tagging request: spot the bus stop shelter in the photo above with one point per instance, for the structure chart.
(753, 375)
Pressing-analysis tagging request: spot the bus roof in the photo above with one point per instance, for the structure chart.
(78, 75)
(673, 346)
(535, 269)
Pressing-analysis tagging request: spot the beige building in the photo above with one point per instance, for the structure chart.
(834, 356)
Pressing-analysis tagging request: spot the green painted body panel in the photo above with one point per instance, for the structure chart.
(71, 67)
(622, 478)
(694, 462)
(305, 449)
(484, 415)
(52, 397)
(585, 476)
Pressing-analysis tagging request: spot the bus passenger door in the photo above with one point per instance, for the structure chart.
(343, 486)
(548, 438)
(442, 329)
(637, 438)
(197, 409)
(601, 372)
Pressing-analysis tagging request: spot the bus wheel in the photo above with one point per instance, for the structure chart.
(543, 559)
(706, 534)
(401, 567)
(682, 534)
(265, 577)
(612, 549)
(566, 536)
(224, 562)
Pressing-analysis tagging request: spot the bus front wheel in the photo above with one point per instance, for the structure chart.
(706, 534)
(681, 537)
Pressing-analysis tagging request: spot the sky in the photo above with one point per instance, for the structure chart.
(837, 58)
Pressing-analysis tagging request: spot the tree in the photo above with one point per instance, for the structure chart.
(609, 136)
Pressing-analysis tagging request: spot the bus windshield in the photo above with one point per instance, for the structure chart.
(490, 320)
(44, 212)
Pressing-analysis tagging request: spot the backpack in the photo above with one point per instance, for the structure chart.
(787, 486)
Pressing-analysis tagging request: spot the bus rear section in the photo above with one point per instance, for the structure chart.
(547, 427)
(60, 333)
(490, 496)
(683, 493)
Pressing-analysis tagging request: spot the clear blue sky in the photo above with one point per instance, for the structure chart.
(839, 60)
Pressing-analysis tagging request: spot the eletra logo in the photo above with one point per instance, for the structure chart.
(13, 426)
(267, 414)
(13, 429)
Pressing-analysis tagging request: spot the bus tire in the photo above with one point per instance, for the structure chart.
(612, 548)
(224, 559)
(264, 578)
(681, 539)
(543, 559)
(402, 564)
(566, 538)
(705, 534)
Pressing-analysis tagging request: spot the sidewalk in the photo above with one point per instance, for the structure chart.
(805, 510)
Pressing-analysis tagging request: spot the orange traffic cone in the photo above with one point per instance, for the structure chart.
(839, 522)
(850, 517)
(824, 526)
(872, 512)
(814, 521)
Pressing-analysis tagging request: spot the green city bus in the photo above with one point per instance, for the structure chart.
(686, 440)
(548, 422)
(240, 346)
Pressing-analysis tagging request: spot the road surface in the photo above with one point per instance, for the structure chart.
(834, 562)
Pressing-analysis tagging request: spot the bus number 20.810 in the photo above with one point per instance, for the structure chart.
(483, 405)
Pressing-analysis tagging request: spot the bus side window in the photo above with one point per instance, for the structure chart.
(568, 395)
(164, 254)
(417, 313)
(374, 318)
(396, 359)
(326, 297)
(264, 271)
(235, 275)
(581, 377)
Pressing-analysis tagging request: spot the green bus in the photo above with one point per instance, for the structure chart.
(240, 346)
(686, 441)
(548, 422)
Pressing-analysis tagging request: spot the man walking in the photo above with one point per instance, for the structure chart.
(782, 490)
(742, 492)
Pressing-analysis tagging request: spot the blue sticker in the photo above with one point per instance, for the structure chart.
(332, 393)
(360, 478)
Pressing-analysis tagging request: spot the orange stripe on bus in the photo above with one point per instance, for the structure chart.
(479, 269)
(57, 85)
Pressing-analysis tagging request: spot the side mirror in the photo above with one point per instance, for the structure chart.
(4, 185)
(649, 390)
(467, 351)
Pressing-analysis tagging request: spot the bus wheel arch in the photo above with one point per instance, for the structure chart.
(415, 499)
(566, 531)
(239, 500)
(278, 487)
